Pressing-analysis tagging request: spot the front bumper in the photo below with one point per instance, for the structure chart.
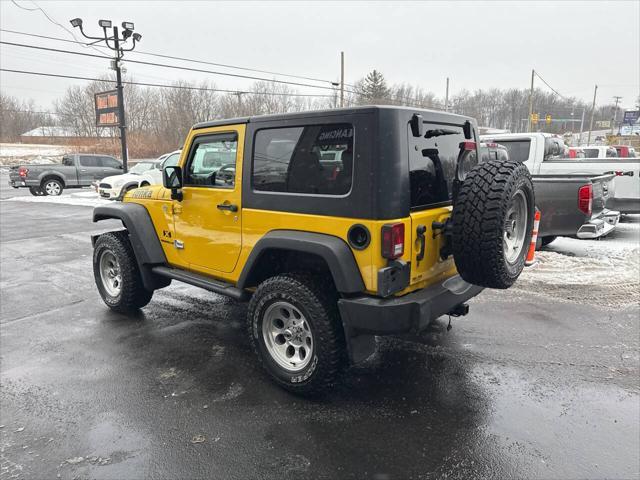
(599, 227)
(110, 193)
(366, 316)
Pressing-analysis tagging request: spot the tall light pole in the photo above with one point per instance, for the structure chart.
(118, 49)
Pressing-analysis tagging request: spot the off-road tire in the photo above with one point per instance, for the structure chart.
(478, 223)
(51, 181)
(132, 295)
(319, 305)
(36, 191)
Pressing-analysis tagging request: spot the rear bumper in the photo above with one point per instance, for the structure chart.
(21, 182)
(625, 205)
(366, 316)
(600, 226)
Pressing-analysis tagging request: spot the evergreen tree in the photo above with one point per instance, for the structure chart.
(374, 89)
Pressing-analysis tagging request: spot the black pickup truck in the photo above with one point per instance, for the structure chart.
(75, 171)
(571, 205)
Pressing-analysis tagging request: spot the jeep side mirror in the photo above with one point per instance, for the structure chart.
(172, 179)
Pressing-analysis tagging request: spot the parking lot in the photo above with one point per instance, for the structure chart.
(539, 380)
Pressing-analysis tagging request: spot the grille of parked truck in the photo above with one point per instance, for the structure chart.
(335, 225)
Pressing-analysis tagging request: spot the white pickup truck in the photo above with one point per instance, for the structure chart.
(544, 154)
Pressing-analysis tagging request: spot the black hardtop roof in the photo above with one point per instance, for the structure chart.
(436, 115)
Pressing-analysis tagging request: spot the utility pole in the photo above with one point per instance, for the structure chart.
(118, 42)
(530, 123)
(584, 110)
(341, 79)
(446, 97)
(593, 110)
(240, 107)
(615, 112)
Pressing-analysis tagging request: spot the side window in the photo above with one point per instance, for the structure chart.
(67, 161)
(212, 161)
(89, 161)
(314, 159)
(109, 162)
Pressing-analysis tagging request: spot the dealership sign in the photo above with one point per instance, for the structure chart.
(631, 116)
(107, 109)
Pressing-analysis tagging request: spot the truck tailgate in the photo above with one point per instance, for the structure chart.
(558, 198)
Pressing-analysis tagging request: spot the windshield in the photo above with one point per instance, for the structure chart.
(141, 167)
(171, 160)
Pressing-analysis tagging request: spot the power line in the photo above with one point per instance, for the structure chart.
(416, 101)
(552, 89)
(204, 62)
(160, 85)
(141, 62)
(38, 7)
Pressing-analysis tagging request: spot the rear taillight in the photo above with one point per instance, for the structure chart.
(468, 146)
(393, 240)
(22, 171)
(585, 199)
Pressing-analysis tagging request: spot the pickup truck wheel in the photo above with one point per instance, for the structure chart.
(36, 191)
(492, 223)
(52, 187)
(116, 273)
(296, 332)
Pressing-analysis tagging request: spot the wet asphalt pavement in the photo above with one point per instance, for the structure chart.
(516, 389)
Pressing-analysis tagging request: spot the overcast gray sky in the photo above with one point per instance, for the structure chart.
(573, 45)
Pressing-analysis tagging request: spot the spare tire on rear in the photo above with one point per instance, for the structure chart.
(492, 223)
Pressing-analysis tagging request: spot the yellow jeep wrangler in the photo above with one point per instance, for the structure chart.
(336, 226)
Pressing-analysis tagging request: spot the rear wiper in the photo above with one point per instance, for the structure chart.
(439, 132)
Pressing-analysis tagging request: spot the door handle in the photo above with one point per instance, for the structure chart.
(228, 206)
(83, 170)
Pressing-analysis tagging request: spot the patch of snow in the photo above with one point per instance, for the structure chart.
(82, 199)
(603, 272)
(29, 149)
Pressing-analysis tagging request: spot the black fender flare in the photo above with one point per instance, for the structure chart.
(143, 237)
(124, 189)
(335, 251)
